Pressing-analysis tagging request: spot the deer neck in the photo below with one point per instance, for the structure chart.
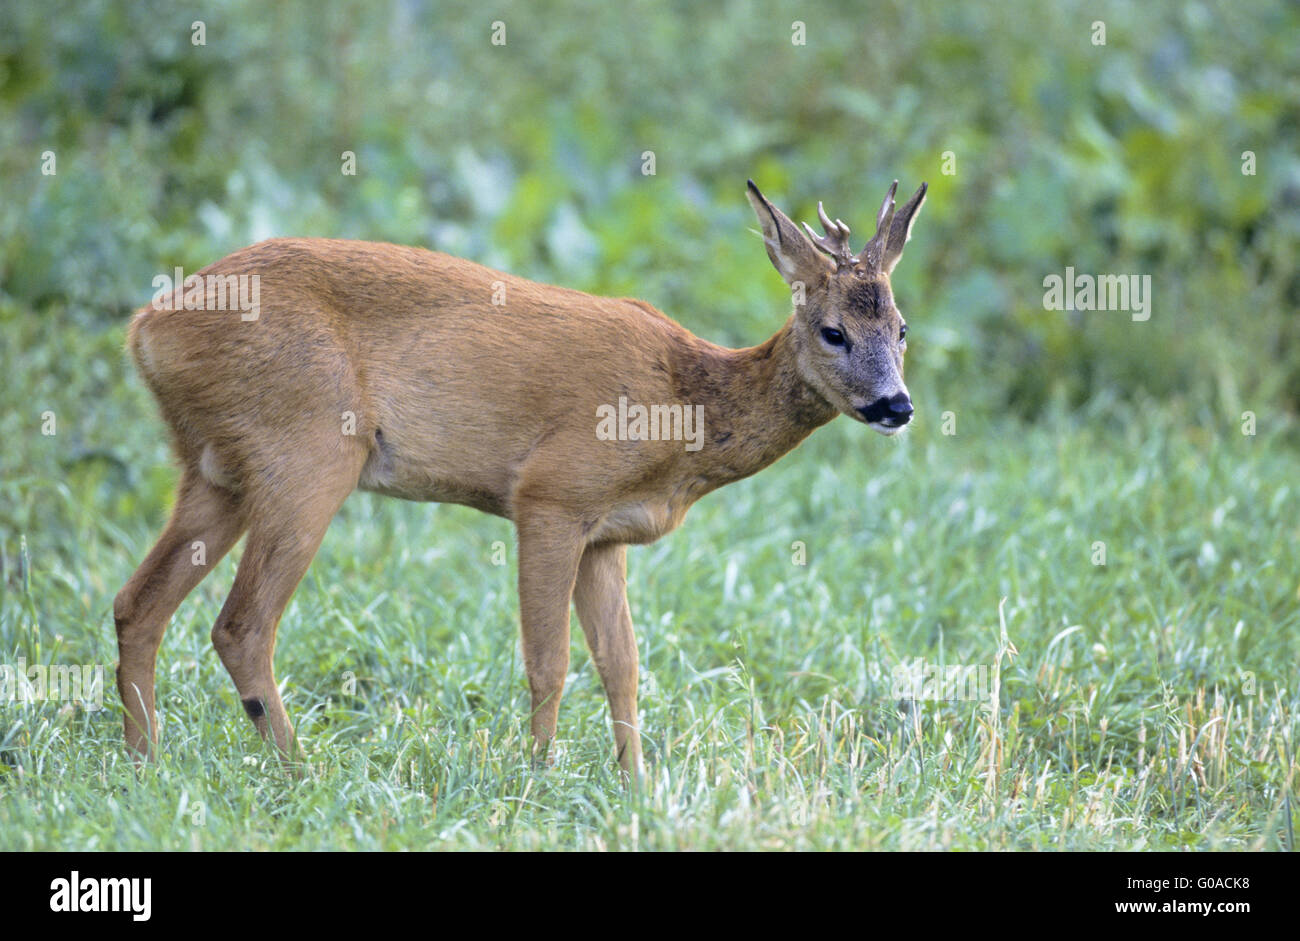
(757, 406)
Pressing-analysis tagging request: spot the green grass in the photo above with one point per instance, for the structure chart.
(1148, 703)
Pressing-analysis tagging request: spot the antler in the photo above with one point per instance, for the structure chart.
(873, 252)
(836, 241)
(893, 229)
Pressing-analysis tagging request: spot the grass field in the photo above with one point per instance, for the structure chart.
(1149, 702)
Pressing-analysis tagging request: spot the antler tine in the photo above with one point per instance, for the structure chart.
(829, 226)
(886, 215)
(836, 241)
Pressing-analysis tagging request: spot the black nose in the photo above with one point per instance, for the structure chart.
(894, 411)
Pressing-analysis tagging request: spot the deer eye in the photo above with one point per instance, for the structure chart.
(832, 336)
(902, 333)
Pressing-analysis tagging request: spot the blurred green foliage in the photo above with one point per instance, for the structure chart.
(1116, 158)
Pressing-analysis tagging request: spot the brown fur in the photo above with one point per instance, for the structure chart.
(455, 399)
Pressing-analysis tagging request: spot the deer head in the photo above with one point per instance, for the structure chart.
(848, 333)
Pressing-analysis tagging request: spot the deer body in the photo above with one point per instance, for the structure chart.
(377, 367)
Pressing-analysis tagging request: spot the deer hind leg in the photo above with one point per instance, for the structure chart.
(600, 595)
(204, 524)
(287, 521)
(550, 545)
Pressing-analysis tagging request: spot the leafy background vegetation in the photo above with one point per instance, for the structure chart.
(1149, 702)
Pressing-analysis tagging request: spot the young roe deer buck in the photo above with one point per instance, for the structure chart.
(391, 369)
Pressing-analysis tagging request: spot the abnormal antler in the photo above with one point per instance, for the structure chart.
(836, 241)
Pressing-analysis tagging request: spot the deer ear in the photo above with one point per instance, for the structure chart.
(793, 255)
(900, 230)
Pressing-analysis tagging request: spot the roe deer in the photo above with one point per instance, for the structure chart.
(400, 371)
